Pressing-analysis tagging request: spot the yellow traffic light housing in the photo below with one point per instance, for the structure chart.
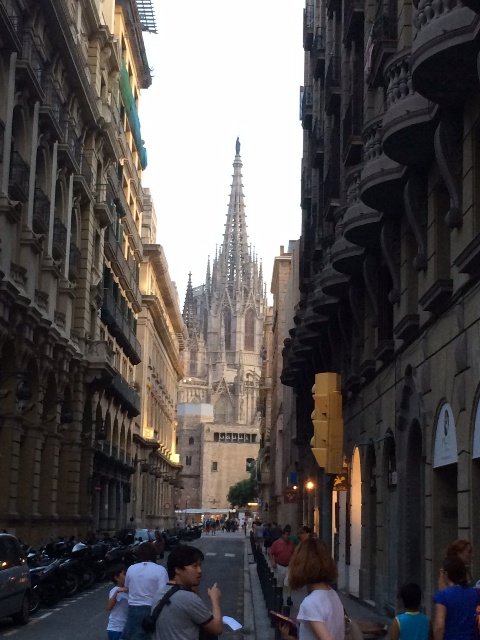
(327, 418)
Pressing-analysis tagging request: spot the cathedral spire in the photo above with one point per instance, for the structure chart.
(189, 305)
(234, 250)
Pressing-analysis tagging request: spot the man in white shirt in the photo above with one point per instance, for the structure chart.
(143, 580)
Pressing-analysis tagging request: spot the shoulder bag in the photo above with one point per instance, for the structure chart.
(149, 622)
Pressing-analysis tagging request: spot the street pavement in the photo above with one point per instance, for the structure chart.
(84, 616)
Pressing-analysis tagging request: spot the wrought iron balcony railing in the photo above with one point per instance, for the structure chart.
(19, 178)
(41, 212)
(59, 246)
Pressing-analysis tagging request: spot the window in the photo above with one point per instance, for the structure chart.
(247, 437)
(191, 441)
(222, 437)
(249, 464)
(214, 466)
(188, 461)
(240, 437)
(234, 437)
(216, 437)
(227, 323)
(250, 330)
(228, 437)
(254, 437)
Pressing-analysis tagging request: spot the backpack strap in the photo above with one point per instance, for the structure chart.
(164, 600)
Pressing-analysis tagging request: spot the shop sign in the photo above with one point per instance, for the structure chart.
(445, 451)
(290, 495)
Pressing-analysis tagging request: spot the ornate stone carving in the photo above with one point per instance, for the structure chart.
(415, 201)
(449, 153)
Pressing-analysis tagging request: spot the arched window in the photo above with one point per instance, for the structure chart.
(250, 330)
(223, 410)
(191, 441)
(227, 324)
(205, 325)
(193, 361)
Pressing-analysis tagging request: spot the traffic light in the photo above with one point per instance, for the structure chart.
(327, 418)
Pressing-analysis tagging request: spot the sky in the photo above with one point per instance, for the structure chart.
(222, 69)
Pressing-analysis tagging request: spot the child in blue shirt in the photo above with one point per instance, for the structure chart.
(411, 625)
(117, 603)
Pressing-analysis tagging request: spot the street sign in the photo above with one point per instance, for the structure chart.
(290, 496)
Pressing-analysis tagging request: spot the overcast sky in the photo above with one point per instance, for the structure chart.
(222, 69)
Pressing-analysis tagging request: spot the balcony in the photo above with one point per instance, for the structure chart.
(381, 43)
(41, 212)
(410, 119)
(332, 85)
(320, 302)
(444, 51)
(119, 327)
(306, 192)
(317, 56)
(383, 180)
(124, 394)
(59, 247)
(352, 130)
(99, 358)
(18, 182)
(318, 144)
(361, 224)
(11, 25)
(83, 179)
(307, 107)
(124, 272)
(331, 191)
(51, 111)
(353, 21)
(346, 258)
(333, 283)
(29, 67)
(74, 263)
(308, 22)
(69, 150)
(104, 205)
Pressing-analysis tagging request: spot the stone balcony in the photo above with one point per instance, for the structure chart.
(410, 119)
(382, 180)
(346, 258)
(361, 224)
(444, 51)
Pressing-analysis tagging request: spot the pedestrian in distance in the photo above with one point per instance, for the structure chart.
(304, 533)
(131, 526)
(281, 553)
(411, 625)
(186, 614)
(143, 581)
(321, 614)
(464, 550)
(117, 604)
(455, 605)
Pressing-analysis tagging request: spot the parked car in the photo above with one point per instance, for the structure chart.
(14, 580)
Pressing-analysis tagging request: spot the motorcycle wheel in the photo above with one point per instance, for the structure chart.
(102, 574)
(88, 578)
(70, 584)
(49, 595)
(34, 601)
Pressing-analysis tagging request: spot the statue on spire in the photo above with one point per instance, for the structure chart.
(237, 146)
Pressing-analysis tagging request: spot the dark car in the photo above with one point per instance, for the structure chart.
(14, 580)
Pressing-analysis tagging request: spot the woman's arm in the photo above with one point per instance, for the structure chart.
(439, 624)
(320, 630)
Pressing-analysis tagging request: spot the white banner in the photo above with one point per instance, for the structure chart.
(445, 451)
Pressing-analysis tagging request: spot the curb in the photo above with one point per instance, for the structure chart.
(258, 614)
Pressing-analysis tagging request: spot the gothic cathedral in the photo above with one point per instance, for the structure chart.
(224, 317)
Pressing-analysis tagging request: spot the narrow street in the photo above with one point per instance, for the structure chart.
(84, 616)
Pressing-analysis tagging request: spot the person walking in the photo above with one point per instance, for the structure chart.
(321, 615)
(456, 604)
(411, 625)
(464, 550)
(186, 614)
(117, 604)
(143, 581)
(281, 553)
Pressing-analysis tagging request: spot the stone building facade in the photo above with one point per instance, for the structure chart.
(224, 317)
(389, 283)
(71, 206)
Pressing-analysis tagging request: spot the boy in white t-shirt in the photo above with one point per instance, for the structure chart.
(117, 603)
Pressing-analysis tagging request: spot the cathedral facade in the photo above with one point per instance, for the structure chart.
(223, 355)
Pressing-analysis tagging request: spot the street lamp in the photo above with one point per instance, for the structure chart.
(309, 485)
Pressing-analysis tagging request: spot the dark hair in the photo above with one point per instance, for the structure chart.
(146, 552)
(311, 563)
(456, 570)
(182, 556)
(411, 595)
(115, 571)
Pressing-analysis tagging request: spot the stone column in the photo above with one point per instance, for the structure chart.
(103, 520)
(30, 467)
(69, 478)
(9, 446)
(119, 519)
(49, 477)
(96, 510)
(112, 505)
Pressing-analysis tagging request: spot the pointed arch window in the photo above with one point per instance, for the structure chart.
(193, 360)
(205, 325)
(250, 330)
(227, 324)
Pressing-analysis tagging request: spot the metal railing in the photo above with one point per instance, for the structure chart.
(59, 237)
(31, 55)
(129, 273)
(41, 212)
(272, 593)
(14, 14)
(52, 99)
(333, 72)
(19, 176)
(125, 334)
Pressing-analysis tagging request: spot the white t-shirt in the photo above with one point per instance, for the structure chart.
(118, 615)
(143, 581)
(322, 606)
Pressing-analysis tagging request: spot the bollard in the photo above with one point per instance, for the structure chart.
(278, 599)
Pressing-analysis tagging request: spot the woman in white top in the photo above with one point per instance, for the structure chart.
(321, 615)
(143, 580)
